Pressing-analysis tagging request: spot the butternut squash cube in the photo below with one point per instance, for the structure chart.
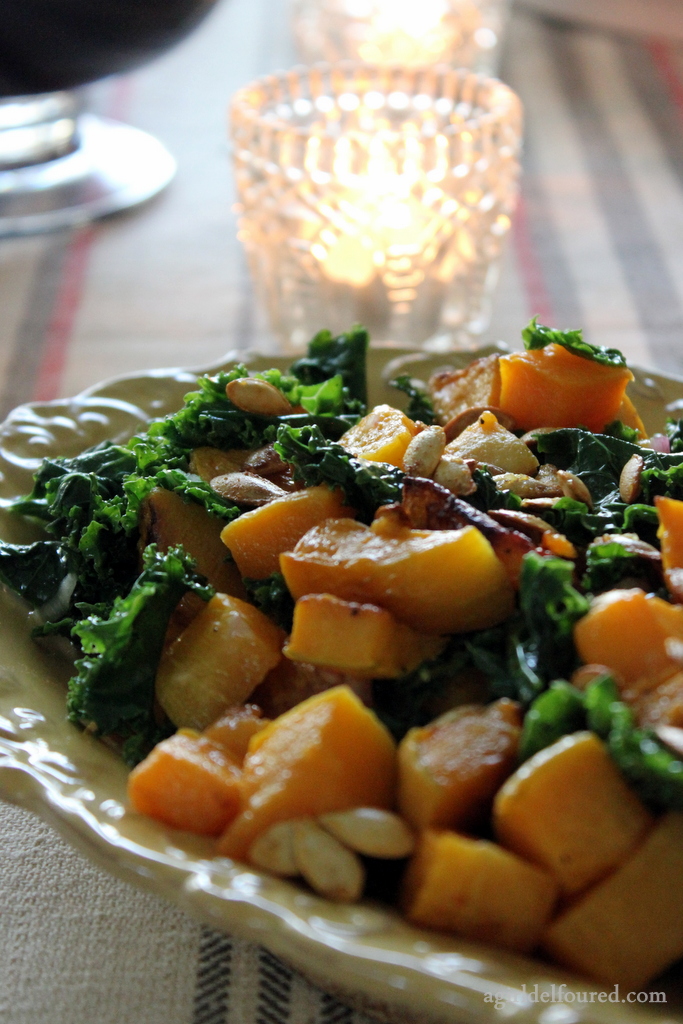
(627, 630)
(628, 928)
(233, 730)
(449, 771)
(569, 810)
(552, 387)
(217, 661)
(257, 538)
(166, 519)
(670, 531)
(187, 782)
(381, 436)
(437, 581)
(358, 638)
(478, 890)
(329, 753)
(487, 441)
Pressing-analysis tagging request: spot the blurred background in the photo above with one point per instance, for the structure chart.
(596, 240)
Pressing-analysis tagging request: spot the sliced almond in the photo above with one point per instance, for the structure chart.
(330, 868)
(257, 396)
(465, 419)
(424, 451)
(539, 504)
(274, 850)
(246, 489)
(455, 474)
(371, 831)
(574, 487)
(629, 482)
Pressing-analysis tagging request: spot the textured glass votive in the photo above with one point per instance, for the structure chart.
(378, 196)
(463, 33)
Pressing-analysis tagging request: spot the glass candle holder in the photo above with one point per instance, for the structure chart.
(378, 196)
(463, 33)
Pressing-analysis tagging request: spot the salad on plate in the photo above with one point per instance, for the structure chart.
(432, 652)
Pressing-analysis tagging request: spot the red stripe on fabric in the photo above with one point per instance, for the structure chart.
(61, 323)
(663, 58)
(530, 269)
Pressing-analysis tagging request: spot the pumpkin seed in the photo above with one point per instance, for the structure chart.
(424, 451)
(330, 868)
(371, 831)
(629, 481)
(257, 396)
(274, 850)
(246, 489)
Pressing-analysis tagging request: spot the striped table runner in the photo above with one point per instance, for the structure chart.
(597, 242)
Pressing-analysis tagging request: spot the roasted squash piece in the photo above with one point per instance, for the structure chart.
(552, 387)
(488, 442)
(256, 539)
(629, 416)
(670, 535)
(381, 436)
(224, 653)
(167, 520)
(627, 630)
(629, 928)
(478, 890)
(454, 391)
(328, 754)
(233, 730)
(358, 638)
(569, 810)
(441, 582)
(449, 771)
(187, 782)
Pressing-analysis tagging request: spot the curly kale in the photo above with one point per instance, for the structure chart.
(420, 406)
(114, 682)
(366, 485)
(273, 598)
(535, 336)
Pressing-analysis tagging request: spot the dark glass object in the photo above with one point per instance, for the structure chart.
(47, 45)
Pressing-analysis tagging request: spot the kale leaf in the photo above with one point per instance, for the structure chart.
(420, 406)
(344, 355)
(114, 682)
(273, 598)
(556, 712)
(36, 571)
(487, 495)
(535, 336)
(366, 485)
(401, 703)
(652, 769)
(536, 645)
(674, 431)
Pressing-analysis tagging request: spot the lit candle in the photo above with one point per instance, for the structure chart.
(376, 196)
(464, 33)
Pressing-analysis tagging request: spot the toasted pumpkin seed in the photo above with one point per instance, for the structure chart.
(257, 396)
(424, 451)
(274, 850)
(371, 831)
(629, 482)
(246, 489)
(574, 487)
(455, 474)
(330, 868)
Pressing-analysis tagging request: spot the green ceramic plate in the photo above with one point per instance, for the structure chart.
(364, 953)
